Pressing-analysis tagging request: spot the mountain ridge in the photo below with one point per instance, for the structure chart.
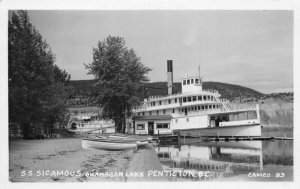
(228, 91)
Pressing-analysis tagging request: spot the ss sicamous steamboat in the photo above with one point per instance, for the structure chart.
(195, 112)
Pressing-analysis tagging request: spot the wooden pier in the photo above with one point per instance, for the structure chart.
(175, 139)
(246, 138)
(169, 139)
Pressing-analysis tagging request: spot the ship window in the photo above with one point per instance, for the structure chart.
(184, 99)
(176, 120)
(150, 113)
(187, 120)
(175, 100)
(196, 81)
(173, 110)
(157, 112)
(184, 82)
(143, 113)
(169, 101)
(159, 102)
(209, 106)
(200, 98)
(202, 107)
(140, 127)
(198, 107)
(224, 119)
(139, 114)
(189, 109)
(162, 125)
(194, 98)
(214, 106)
(189, 99)
(205, 107)
(192, 108)
(164, 111)
(192, 81)
(188, 82)
(204, 98)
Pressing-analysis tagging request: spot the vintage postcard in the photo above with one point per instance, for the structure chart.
(203, 96)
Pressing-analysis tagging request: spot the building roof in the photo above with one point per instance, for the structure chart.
(153, 117)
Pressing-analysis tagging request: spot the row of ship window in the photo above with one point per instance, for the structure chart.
(191, 81)
(193, 108)
(189, 99)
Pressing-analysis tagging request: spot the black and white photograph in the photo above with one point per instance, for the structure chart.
(149, 95)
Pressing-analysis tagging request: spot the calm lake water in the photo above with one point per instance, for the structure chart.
(194, 160)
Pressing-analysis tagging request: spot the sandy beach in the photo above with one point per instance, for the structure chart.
(63, 160)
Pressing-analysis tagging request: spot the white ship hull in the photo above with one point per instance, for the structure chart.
(226, 131)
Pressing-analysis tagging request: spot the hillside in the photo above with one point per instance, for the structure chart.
(275, 109)
(227, 91)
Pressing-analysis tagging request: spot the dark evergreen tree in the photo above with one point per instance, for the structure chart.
(37, 87)
(119, 76)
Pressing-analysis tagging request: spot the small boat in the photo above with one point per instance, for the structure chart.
(142, 143)
(120, 137)
(128, 138)
(107, 144)
(125, 138)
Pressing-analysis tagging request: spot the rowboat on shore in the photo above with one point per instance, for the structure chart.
(125, 138)
(107, 144)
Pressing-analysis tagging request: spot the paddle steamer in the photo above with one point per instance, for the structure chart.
(194, 112)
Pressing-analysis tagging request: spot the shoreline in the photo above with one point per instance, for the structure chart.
(63, 160)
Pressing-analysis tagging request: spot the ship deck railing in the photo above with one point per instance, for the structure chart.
(179, 94)
(241, 107)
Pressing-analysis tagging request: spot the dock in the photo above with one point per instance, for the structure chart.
(246, 138)
(169, 139)
(175, 139)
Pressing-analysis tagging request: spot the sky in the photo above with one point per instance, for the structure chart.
(249, 48)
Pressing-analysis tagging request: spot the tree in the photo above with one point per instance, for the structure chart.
(34, 80)
(119, 77)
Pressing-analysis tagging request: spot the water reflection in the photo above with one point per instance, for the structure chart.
(224, 159)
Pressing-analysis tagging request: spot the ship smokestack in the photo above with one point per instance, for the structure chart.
(170, 76)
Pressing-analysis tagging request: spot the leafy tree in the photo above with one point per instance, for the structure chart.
(36, 85)
(119, 76)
